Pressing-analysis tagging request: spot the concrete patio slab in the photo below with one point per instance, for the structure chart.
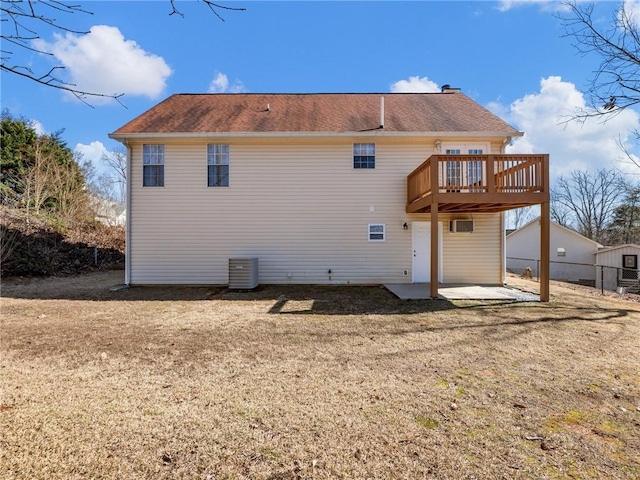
(421, 291)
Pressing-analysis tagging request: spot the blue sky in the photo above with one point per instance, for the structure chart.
(511, 57)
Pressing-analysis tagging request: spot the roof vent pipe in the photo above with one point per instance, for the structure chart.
(381, 112)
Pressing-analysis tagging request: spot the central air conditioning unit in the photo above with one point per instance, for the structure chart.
(458, 226)
(243, 273)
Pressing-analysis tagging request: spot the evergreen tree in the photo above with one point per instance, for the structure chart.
(625, 223)
(39, 172)
(17, 137)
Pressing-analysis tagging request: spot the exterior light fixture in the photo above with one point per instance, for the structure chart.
(405, 226)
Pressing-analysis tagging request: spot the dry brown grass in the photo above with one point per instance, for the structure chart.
(314, 382)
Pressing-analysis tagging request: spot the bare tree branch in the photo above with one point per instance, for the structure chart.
(630, 157)
(214, 7)
(21, 21)
(51, 81)
(615, 85)
(116, 160)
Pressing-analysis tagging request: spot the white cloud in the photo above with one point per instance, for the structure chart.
(415, 85)
(37, 126)
(93, 152)
(545, 117)
(545, 5)
(103, 61)
(632, 9)
(220, 84)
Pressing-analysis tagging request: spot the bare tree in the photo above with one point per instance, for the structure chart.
(69, 191)
(559, 212)
(98, 185)
(21, 20)
(116, 160)
(590, 199)
(38, 180)
(615, 85)
(521, 216)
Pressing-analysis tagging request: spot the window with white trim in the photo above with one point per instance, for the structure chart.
(377, 232)
(217, 165)
(364, 155)
(469, 173)
(153, 165)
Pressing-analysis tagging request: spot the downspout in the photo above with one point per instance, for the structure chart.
(127, 234)
(503, 230)
(503, 248)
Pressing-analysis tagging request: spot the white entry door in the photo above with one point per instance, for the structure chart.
(421, 244)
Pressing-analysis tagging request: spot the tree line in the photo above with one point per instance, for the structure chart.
(51, 201)
(39, 173)
(42, 176)
(603, 205)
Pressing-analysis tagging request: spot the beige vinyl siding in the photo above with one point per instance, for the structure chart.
(297, 205)
(473, 257)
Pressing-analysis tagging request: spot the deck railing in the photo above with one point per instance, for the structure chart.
(477, 174)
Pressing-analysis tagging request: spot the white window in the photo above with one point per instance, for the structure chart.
(153, 165)
(218, 165)
(465, 174)
(377, 232)
(364, 155)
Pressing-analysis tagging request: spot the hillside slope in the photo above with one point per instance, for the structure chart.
(36, 246)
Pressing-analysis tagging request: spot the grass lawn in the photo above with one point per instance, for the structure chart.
(314, 382)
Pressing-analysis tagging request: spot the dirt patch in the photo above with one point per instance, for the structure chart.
(314, 382)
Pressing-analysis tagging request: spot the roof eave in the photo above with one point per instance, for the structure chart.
(368, 133)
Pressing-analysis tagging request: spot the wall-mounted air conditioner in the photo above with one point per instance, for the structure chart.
(458, 226)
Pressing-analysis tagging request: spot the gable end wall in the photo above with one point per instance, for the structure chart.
(300, 207)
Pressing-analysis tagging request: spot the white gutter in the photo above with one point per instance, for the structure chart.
(503, 224)
(503, 247)
(369, 133)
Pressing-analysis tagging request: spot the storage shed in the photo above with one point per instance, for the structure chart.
(617, 266)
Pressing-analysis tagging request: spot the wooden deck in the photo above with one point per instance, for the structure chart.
(478, 183)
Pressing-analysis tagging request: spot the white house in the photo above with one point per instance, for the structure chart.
(617, 266)
(571, 255)
(324, 189)
(109, 213)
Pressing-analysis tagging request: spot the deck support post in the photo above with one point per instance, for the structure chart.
(435, 228)
(545, 245)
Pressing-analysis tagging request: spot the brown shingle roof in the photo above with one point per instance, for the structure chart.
(330, 112)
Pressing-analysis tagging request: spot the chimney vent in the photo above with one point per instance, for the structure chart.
(449, 89)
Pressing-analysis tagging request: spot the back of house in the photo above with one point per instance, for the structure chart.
(315, 186)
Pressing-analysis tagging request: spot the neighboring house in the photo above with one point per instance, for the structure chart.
(324, 189)
(617, 266)
(571, 255)
(109, 213)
